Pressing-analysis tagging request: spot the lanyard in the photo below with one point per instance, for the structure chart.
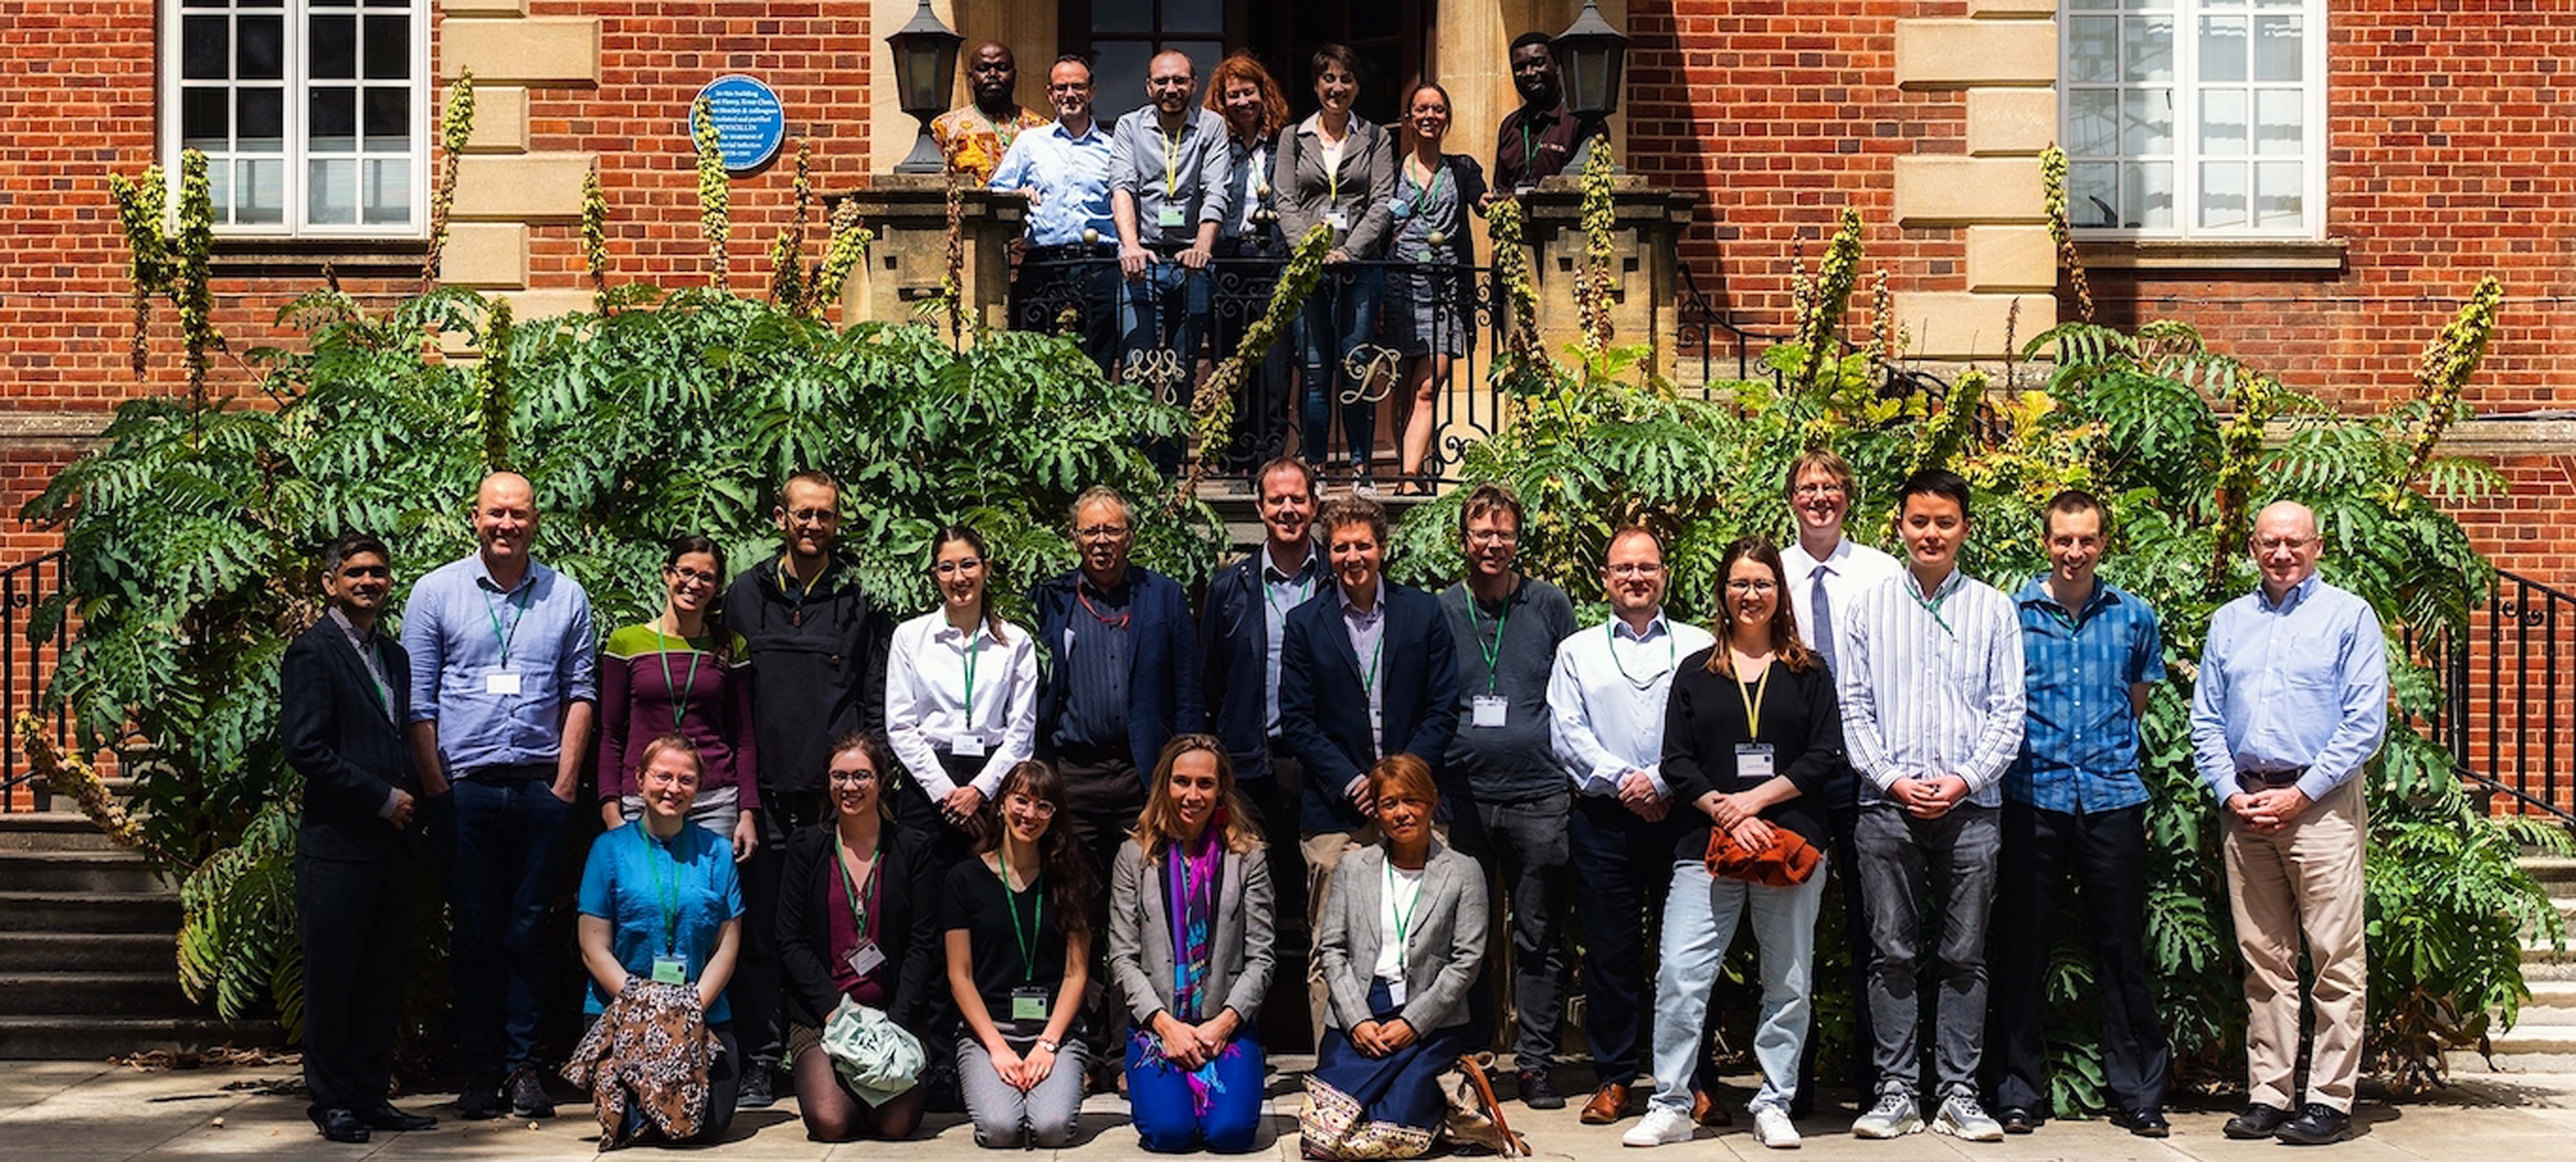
(860, 895)
(1171, 162)
(1494, 653)
(1422, 200)
(680, 693)
(520, 603)
(1529, 164)
(668, 891)
(1753, 697)
(1403, 916)
(1303, 589)
(1118, 622)
(1333, 169)
(1671, 655)
(1931, 605)
(1028, 938)
(803, 594)
(1368, 683)
(971, 652)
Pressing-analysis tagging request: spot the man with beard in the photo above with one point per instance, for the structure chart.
(1542, 137)
(974, 137)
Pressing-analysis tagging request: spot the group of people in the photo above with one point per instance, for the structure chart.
(871, 854)
(1126, 219)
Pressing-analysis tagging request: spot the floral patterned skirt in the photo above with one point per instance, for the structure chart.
(1361, 1107)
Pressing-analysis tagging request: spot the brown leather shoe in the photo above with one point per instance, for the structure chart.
(1609, 1104)
(1707, 1111)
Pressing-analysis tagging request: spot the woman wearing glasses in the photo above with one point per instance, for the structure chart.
(1018, 918)
(682, 673)
(1752, 733)
(858, 924)
(961, 701)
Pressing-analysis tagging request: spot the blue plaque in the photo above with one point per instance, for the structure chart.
(750, 123)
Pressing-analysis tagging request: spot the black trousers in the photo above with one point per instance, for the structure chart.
(355, 919)
(1524, 844)
(1623, 863)
(1104, 794)
(758, 991)
(2107, 854)
(1862, 1068)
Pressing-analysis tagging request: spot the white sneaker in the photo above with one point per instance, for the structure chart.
(1961, 1117)
(1893, 1117)
(1772, 1127)
(1660, 1127)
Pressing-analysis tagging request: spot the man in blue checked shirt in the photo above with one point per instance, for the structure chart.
(2073, 801)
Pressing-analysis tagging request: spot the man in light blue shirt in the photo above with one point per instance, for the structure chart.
(2292, 701)
(1072, 259)
(502, 693)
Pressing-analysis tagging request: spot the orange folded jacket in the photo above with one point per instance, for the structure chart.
(1786, 862)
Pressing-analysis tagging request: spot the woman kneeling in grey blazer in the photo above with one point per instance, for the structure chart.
(1402, 939)
(1190, 932)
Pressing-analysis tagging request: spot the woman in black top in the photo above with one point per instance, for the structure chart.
(1430, 304)
(1751, 734)
(858, 923)
(1019, 946)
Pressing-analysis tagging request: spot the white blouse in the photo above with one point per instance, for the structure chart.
(926, 706)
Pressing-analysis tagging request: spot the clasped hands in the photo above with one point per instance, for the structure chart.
(1191, 1046)
(1929, 798)
(2267, 811)
(1380, 1038)
(1638, 793)
(1022, 1073)
(1738, 817)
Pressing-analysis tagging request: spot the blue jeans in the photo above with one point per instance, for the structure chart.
(1158, 1099)
(500, 878)
(1340, 315)
(1165, 308)
(1699, 921)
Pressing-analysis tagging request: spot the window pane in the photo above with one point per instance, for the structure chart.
(263, 192)
(2146, 123)
(2093, 194)
(2222, 121)
(2278, 115)
(388, 195)
(2148, 194)
(2279, 195)
(1119, 82)
(332, 50)
(2222, 194)
(2222, 48)
(262, 114)
(219, 188)
(331, 192)
(261, 53)
(205, 48)
(1122, 16)
(2093, 49)
(2277, 48)
(2093, 122)
(2093, 5)
(388, 48)
(2149, 48)
(205, 119)
(333, 127)
(1193, 16)
(388, 119)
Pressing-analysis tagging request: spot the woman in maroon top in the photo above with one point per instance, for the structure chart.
(682, 673)
(858, 920)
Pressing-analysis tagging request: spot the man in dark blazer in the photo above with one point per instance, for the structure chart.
(1242, 633)
(345, 694)
(1368, 668)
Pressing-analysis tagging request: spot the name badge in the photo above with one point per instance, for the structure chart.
(865, 958)
(505, 682)
(1029, 1003)
(1753, 760)
(967, 746)
(1170, 218)
(1338, 220)
(1490, 710)
(1395, 990)
(671, 969)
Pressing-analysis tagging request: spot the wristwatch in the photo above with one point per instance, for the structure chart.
(1046, 1044)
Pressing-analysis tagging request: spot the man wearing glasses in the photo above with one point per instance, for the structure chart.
(818, 656)
(1168, 194)
(2292, 701)
(1063, 170)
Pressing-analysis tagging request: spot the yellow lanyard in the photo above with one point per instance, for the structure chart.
(1171, 163)
(1753, 699)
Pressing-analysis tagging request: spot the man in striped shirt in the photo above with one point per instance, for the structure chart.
(1931, 689)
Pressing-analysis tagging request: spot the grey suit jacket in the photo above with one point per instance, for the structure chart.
(1443, 950)
(1367, 189)
(1140, 935)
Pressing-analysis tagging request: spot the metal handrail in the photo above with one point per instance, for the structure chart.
(23, 588)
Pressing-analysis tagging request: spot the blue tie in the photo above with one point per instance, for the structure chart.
(1824, 611)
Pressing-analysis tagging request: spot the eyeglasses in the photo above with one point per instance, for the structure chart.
(1077, 87)
(1038, 807)
(1100, 532)
(1743, 586)
(813, 516)
(953, 568)
(1635, 569)
(1494, 536)
(1819, 490)
(854, 778)
(2275, 544)
(692, 576)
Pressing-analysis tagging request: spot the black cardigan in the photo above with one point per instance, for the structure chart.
(908, 924)
(1704, 719)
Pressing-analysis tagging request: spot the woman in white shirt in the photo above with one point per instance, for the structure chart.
(961, 701)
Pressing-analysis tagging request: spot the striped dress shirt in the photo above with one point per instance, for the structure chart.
(1932, 686)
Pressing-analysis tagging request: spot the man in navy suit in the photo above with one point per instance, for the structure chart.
(345, 693)
(1242, 636)
(1368, 668)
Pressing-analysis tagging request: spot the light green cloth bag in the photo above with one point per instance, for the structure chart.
(871, 1052)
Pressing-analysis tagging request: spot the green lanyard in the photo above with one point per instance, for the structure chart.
(680, 693)
(1494, 653)
(1403, 916)
(971, 651)
(856, 892)
(1753, 699)
(1368, 683)
(1303, 591)
(1027, 938)
(520, 603)
(1672, 654)
(1931, 605)
(668, 890)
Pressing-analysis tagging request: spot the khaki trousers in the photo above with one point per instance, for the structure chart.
(2303, 880)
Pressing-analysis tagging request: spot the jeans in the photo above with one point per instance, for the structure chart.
(1699, 922)
(1080, 279)
(1160, 318)
(1340, 316)
(1620, 859)
(2107, 853)
(1957, 854)
(1525, 844)
(501, 859)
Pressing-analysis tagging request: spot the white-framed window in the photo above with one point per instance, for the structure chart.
(314, 115)
(2201, 119)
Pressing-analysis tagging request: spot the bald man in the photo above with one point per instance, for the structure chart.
(502, 693)
(2292, 701)
(1167, 192)
(973, 137)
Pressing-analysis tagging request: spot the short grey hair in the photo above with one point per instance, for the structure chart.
(1102, 494)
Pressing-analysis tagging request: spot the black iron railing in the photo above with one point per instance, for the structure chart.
(26, 662)
(1711, 335)
(2505, 714)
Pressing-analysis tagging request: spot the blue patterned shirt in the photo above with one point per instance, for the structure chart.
(2079, 751)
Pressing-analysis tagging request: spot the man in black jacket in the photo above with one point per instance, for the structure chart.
(1240, 640)
(818, 657)
(345, 693)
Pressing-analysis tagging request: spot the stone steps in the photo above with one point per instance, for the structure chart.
(87, 952)
(98, 1038)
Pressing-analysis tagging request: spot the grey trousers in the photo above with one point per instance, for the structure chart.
(1009, 1118)
(1957, 855)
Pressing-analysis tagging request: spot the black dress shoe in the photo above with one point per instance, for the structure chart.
(2146, 1123)
(2316, 1125)
(342, 1126)
(478, 1102)
(383, 1116)
(2017, 1119)
(1538, 1094)
(2258, 1121)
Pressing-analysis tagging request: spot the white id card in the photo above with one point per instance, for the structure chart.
(1338, 220)
(1753, 760)
(671, 969)
(1170, 218)
(1490, 710)
(1029, 1004)
(865, 958)
(967, 746)
(501, 682)
(1395, 991)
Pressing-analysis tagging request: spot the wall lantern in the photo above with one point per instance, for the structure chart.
(1591, 56)
(925, 60)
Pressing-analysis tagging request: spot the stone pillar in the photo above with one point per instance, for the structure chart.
(909, 259)
(1644, 266)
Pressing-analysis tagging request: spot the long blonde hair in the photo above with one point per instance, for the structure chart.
(1159, 826)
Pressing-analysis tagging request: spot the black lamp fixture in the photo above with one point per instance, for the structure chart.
(1591, 56)
(925, 58)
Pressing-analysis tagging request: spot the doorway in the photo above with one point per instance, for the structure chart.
(1393, 39)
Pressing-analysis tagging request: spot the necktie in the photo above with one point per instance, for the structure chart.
(1824, 614)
